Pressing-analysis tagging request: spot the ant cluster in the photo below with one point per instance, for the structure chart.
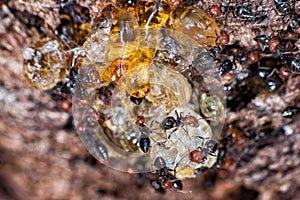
(139, 99)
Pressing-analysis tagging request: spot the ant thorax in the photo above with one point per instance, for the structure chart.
(182, 140)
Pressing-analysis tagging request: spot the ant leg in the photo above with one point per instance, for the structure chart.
(172, 132)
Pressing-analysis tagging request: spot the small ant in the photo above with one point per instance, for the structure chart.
(289, 112)
(165, 178)
(238, 11)
(170, 122)
(282, 7)
(226, 67)
(200, 154)
(145, 141)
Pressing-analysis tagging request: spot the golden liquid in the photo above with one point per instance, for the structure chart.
(198, 25)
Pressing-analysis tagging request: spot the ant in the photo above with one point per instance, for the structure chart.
(170, 122)
(226, 67)
(165, 179)
(200, 154)
(238, 11)
(289, 112)
(145, 141)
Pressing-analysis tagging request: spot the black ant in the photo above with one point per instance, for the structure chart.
(226, 67)
(145, 141)
(165, 179)
(289, 112)
(240, 11)
(170, 122)
(282, 7)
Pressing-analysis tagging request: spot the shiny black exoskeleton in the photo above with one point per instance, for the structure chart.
(221, 156)
(68, 87)
(168, 123)
(289, 112)
(283, 7)
(145, 143)
(292, 63)
(263, 41)
(137, 101)
(171, 122)
(241, 12)
(226, 67)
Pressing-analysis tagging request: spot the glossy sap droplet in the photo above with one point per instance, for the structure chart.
(211, 106)
(124, 35)
(45, 64)
(96, 46)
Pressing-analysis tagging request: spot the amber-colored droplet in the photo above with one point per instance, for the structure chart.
(198, 25)
(152, 14)
(45, 64)
(141, 92)
(115, 71)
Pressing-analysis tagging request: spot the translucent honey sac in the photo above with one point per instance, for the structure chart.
(96, 46)
(115, 71)
(124, 35)
(168, 87)
(195, 23)
(45, 64)
(153, 14)
(211, 106)
(136, 79)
